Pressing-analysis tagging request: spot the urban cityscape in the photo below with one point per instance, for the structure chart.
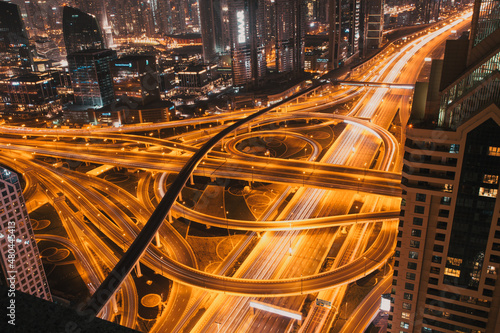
(326, 166)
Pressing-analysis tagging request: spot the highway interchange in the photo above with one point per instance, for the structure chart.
(359, 168)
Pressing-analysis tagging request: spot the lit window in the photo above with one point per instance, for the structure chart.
(488, 192)
(406, 306)
(454, 148)
(448, 187)
(405, 315)
(490, 179)
(404, 324)
(494, 151)
(454, 261)
(452, 272)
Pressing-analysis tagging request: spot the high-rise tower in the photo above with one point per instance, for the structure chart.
(448, 249)
(290, 34)
(19, 256)
(81, 31)
(91, 78)
(344, 31)
(214, 28)
(247, 42)
(14, 43)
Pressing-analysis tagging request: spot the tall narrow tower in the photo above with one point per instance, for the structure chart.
(247, 42)
(19, 256)
(446, 272)
(344, 31)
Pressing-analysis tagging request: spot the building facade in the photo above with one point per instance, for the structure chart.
(20, 258)
(91, 78)
(375, 23)
(81, 31)
(344, 31)
(246, 24)
(136, 76)
(32, 94)
(214, 21)
(448, 249)
(15, 50)
(290, 35)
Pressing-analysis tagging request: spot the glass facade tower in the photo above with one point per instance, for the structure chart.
(81, 31)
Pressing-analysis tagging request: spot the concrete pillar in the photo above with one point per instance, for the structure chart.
(170, 216)
(191, 179)
(180, 196)
(138, 269)
(158, 242)
(113, 304)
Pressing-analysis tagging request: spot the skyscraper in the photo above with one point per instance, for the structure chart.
(375, 23)
(247, 42)
(91, 77)
(14, 43)
(214, 19)
(344, 31)
(290, 34)
(485, 20)
(19, 256)
(448, 249)
(81, 31)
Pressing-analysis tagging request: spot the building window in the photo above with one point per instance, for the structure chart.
(436, 259)
(416, 232)
(411, 276)
(404, 324)
(418, 221)
(405, 315)
(413, 255)
(494, 151)
(488, 192)
(412, 265)
(409, 286)
(420, 197)
(444, 213)
(442, 225)
(438, 248)
(406, 306)
(414, 243)
(446, 201)
(435, 270)
(452, 272)
(419, 209)
(440, 237)
(490, 179)
(454, 148)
